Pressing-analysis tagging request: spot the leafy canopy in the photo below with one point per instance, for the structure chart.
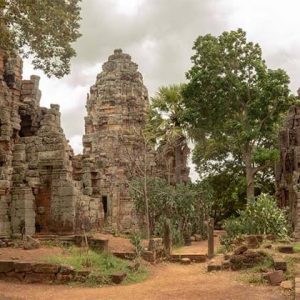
(165, 114)
(181, 205)
(43, 29)
(233, 101)
(260, 217)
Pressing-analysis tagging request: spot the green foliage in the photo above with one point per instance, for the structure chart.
(164, 126)
(297, 247)
(253, 275)
(165, 114)
(101, 263)
(251, 278)
(292, 267)
(180, 204)
(43, 29)
(223, 193)
(234, 104)
(136, 241)
(260, 217)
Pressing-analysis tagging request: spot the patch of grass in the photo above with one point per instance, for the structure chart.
(251, 278)
(53, 243)
(138, 276)
(291, 267)
(221, 250)
(101, 265)
(266, 264)
(253, 275)
(297, 247)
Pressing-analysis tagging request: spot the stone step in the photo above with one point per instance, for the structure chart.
(54, 237)
(199, 258)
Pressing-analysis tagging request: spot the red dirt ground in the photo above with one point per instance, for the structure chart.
(166, 282)
(35, 255)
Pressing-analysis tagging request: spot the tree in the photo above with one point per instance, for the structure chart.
(234, 103)
(177, 209)
(43, 29)
(223, 193)
(140, 164)
(164, 123)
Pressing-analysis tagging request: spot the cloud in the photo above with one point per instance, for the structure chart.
(159, 35)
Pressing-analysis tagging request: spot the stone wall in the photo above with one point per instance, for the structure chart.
(172, 160)
(37, 191)
(10, 91)
(288, 169)
(44, 188)
(116, 107)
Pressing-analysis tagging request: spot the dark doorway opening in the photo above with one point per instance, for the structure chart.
(105, 206)
(26, 126)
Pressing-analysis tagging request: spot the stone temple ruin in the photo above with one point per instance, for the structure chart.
(288, 169)
(44, 187)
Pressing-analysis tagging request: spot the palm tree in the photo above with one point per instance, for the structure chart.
(166, 128)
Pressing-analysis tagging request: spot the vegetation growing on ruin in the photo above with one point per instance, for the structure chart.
(102, 265)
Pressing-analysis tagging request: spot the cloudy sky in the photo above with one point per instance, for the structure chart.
(159, 36)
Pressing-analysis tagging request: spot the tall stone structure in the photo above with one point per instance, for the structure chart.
(288, 169)
(113, 144)
(171, 161)
(44, 188)
(37, 191)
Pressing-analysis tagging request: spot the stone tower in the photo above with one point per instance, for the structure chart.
(116, 108)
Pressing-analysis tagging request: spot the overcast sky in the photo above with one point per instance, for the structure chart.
(159, 35)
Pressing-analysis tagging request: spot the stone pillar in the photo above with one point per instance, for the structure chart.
(22, 211)
(210, 234)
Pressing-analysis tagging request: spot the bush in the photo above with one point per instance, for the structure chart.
(136, 242)
(101, 264)
(261, 216)
(180, 205)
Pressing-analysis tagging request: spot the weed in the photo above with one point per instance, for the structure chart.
(252, 278)
(101, 264)
(297, 247)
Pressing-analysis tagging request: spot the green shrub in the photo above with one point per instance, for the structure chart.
(100, 263)
(297, 247)
(261, 216)
(136, 242)
(181, 205)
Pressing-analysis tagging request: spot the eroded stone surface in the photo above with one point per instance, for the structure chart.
(288, 169)
(44, 188)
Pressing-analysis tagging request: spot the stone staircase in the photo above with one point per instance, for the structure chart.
(198, 258)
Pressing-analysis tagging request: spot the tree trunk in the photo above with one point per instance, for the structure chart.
(249, 175)
(178, 161)
(167, 237)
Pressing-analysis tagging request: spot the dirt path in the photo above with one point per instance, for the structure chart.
(167, 282)
(198, 247)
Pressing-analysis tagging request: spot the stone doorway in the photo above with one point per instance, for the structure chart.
(105, 206)
(42, 213)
